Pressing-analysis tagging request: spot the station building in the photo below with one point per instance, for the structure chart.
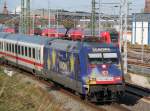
(141, 28)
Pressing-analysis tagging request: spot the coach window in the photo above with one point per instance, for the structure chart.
(26, 51)
(39, 54)
(29, 51)
(33, 52)
(9, 47)
(16, 48)
(19, 49)
(5, 46)
(22, 48)
(36, 54)
(12, 48)
(0, 45)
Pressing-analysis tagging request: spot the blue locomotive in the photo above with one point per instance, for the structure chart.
(91, 69)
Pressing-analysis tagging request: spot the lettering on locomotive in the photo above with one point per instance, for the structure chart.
(100, 49)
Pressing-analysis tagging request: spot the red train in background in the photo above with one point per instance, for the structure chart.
(9, 30)
(76, 34)
(53, 32)
(109, 37)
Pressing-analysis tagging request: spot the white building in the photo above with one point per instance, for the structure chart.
(141, 28)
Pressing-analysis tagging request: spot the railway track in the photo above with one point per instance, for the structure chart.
(138, 91)
(50, 84)
(139, 64)
(146, 48)
(135, 55)
(139, 50)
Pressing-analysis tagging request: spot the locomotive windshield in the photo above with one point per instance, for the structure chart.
(100, 58)
(110, 57)
(95, 58)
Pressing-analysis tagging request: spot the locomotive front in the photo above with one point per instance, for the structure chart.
(103, 80)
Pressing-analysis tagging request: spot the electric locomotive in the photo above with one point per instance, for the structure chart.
(91, 69)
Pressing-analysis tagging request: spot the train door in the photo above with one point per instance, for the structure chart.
(34, 58)
(16, 53)
(78, 74)
(37, 58)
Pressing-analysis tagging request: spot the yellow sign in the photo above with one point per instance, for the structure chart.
(72, 63)
(49, 62)
(54, 57)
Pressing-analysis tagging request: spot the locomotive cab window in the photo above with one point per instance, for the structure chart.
(110, 57)
(95, 58)
(100, 58)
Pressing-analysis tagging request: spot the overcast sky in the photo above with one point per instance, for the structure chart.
(83, 5)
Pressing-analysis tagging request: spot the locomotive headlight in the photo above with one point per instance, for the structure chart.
(118, 78)
(92, 79)
(104, 66)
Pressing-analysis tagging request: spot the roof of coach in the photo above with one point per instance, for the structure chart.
(102, 45)
(76, 45)
(3, 34)
(65, 45)
(29, 39)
